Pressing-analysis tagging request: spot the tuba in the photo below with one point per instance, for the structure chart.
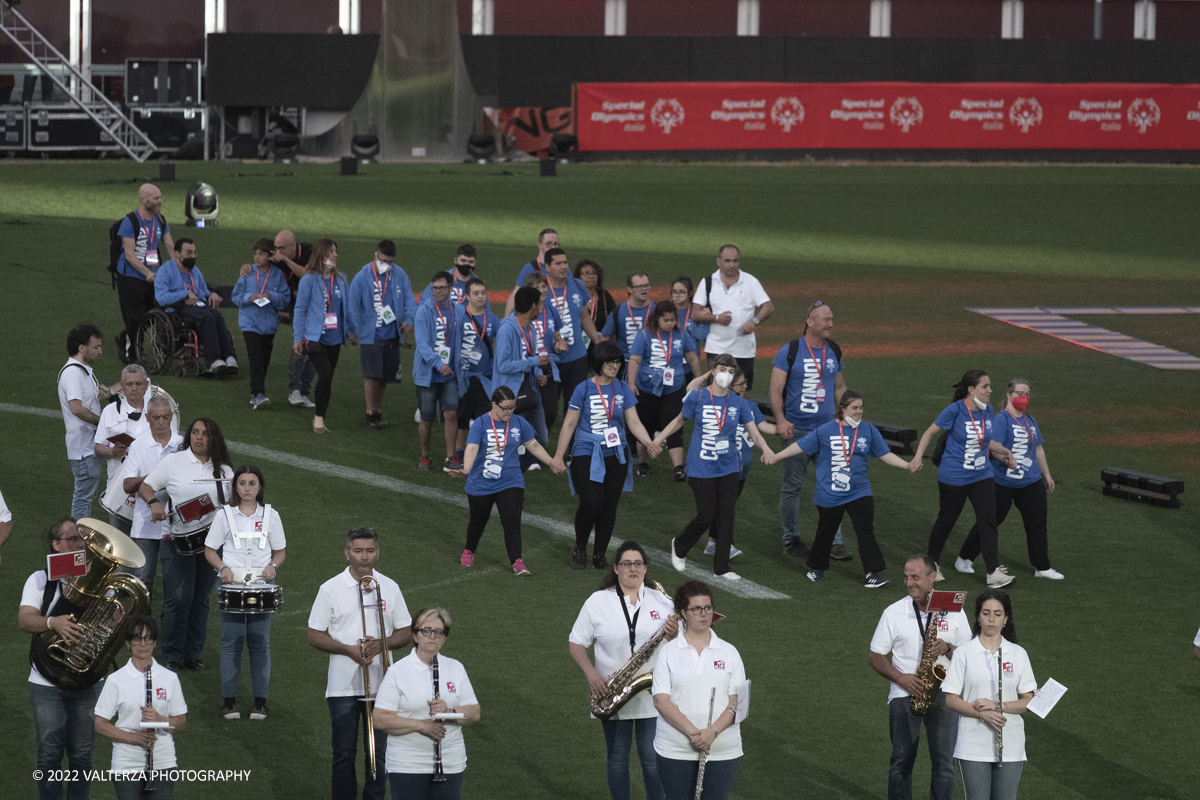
(931, 670)
(102, 601)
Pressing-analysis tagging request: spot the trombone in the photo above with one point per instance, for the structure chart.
(365, 587)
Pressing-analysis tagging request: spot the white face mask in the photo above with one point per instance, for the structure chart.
(853, 423)
(980, 404)
(723, 379)
(329, 263)
(382, 266)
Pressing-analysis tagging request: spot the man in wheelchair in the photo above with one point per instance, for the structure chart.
(179, 288)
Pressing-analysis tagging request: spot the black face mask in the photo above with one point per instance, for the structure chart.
(464, 269)
(188, 263)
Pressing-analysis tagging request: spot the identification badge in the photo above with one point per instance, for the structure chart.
(443, 353)
(821, 393)
(262, 301)
(611, 437)
(669, 376)
(151, 258)
(387, 315)
(330, 321)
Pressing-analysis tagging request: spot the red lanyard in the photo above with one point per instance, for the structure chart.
(713, 402)
(818, 364)
(381, 289)
(554, 298)
(1028, 428)
(687, 317)
(645, 318)
(978, 430)
(496, 433)
(460, 288)
(848, 453)
(479, 331)
(187, 276)
(329, 294)
(592, 303)
(530, 340)
(150, 245)
(441, 318)
(670, 343)
(608, 412)
(262, 288)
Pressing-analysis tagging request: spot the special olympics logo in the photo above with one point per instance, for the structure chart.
(906, 112)
(1143, 112)
(1025, 112)
(787, 112)
(666, 114)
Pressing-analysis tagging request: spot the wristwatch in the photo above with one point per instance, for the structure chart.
(754, 320)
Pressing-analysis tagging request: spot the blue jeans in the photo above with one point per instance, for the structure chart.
(984, 780)
(414, 786)
(253, 630)
(679, 778)
(941, 727)
(65, 724)
(301, 374)
(87, 481)
(430, 397)
(618, 735)
(150, 549)
(794, 471)
(537, 418)
(346, 715)
(187, 588)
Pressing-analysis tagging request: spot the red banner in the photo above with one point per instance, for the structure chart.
(1002, 116)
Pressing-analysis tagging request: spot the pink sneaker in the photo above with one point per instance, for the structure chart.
(519, 567)
(467, 559)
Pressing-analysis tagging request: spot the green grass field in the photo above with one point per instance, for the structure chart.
(899, 253)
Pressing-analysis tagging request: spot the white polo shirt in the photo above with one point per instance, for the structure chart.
(973, 675)
(254, 540)
(407, 689)
(77, 381)
(5, 514)
(336, 610)
(143, 456)
(601, 624)
(897, 633)
(31, 595)
(123, 696)
(114, 421)
(740, 300)
(184, 478)
(689, 677)
(1195, 641)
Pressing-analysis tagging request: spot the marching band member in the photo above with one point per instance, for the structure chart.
(842, 485)
(600, 470)
(254, 547)
(615, 639)
(689, 694)
(989, 684)
(124, 416)
(963, 472)
(422, 749)
(901, 632)
(125, 697)
(336, 626)
(1026, 485)
(144, 454)
(194, 499)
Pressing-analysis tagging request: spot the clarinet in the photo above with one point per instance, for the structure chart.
(712, 698)
(438, 775)
(1000, 705)
(148, 786)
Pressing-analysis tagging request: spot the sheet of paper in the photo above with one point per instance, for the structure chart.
(144, 724)
(450, 715)
(743, 707)
(1050, 693)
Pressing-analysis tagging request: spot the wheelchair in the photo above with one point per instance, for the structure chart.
(163, 339)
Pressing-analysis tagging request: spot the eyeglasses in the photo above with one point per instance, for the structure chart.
(507, 409)
(432, 633)
(700, 609)
(1014, 394)
(143, 640)
(813, 308)
(75, 538)
(640, 286)
(631, 564)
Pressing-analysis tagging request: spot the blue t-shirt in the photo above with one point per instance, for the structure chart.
(592, 416)
(529, 269)
(699, 332)
(745, 443)
(570, 302)
(1022, 437)
(497, 465)
(810, 386)
(838, 482)
(546, 324)
(476, 358)
(713, 451)
(624, 323)
(651, 346)
(966, 458)
(147, 235)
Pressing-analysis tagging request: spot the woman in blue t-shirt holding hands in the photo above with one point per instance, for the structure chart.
(714, 465)
(842, 485)
(964, 472)
(494, 477)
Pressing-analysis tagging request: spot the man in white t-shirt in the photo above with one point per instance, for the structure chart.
(124, 417)
(734, 303)
(143, 456)
(901, 632)
(63, 719)
(335, 626)
(79, 397)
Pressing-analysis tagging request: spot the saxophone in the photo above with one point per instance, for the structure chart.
(626, 682)
(931, 670)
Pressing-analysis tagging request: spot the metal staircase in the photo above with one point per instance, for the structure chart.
(72, 82)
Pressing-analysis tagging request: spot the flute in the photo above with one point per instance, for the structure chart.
(1000, 705)
(438, 775)
(712, 698)
(148, 787)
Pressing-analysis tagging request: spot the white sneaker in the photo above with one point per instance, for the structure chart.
(734, 552)
(710, 549)
(231, 362)
(216, 365)
(729, 576)
(680, 564)
(295, 398)
(1051, 573)
(999, 578)
(939, 576)
(964, 566)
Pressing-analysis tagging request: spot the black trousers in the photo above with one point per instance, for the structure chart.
(473, 404)
(215, 339)
(324, 359)
(716, 502)
(258, 354)
(862, 517)
(657, 412)
(135, 297)
(1031, 502)
(597, 501)
(509, 503)
(550, 391)
(570, 375)
(982, 495)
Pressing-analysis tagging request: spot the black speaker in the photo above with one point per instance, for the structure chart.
(162, 82)
(549, 168)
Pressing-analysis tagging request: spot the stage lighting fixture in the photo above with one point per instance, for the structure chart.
(201, 205)
(1130, 485)
(481, 147)
(549, 167)
(364, 146)
(284, 145)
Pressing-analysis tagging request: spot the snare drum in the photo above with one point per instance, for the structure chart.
(254, 598)
(190, 544)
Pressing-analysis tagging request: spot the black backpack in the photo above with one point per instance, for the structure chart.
(116, 245)
(939, 449)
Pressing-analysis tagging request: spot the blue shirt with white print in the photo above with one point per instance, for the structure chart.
(810, 385)
(966, 458)
(842, 478)
(1022, 436)
(497, 465)
(713, 451)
